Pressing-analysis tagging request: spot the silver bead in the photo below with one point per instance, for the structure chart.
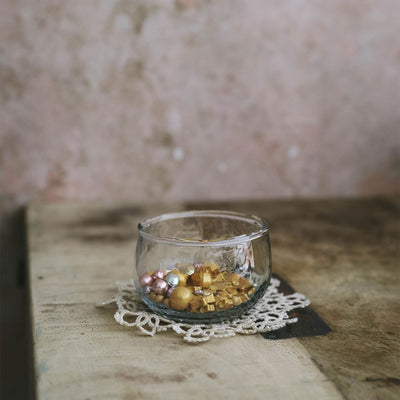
(172, 279)
(188, 270)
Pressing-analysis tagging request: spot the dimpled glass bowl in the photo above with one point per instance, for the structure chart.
(236, 243)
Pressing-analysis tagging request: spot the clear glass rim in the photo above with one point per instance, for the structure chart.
(234, 240)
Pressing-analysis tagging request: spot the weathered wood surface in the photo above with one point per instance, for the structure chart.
(342, 254)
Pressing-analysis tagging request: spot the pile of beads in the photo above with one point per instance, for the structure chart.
(203, 289)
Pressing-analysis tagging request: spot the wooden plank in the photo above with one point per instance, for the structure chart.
(76, 254)
(78, 251)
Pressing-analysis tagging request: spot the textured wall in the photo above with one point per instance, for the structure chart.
(154, 99)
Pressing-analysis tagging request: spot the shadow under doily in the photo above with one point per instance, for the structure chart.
(309, 323)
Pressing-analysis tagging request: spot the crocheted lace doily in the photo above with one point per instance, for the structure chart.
(268, 314)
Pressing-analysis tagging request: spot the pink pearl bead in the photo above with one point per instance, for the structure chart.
(159, 274)
(145, 280)
(159, 286)
(169, 291)
(197, 267)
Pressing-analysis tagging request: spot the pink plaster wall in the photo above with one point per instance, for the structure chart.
(162, 100)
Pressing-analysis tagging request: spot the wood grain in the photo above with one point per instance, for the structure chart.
(342, 254)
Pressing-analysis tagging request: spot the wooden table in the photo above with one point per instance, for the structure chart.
(342, 254)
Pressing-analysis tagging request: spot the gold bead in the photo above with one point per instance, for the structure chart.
(159, 298)
(182, 277)
(236, 300)
(152, 296)
(180, 298)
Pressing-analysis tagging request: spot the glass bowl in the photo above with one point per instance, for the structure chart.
(202, 266)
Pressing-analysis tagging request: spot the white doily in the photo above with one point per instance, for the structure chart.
(268, 314)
